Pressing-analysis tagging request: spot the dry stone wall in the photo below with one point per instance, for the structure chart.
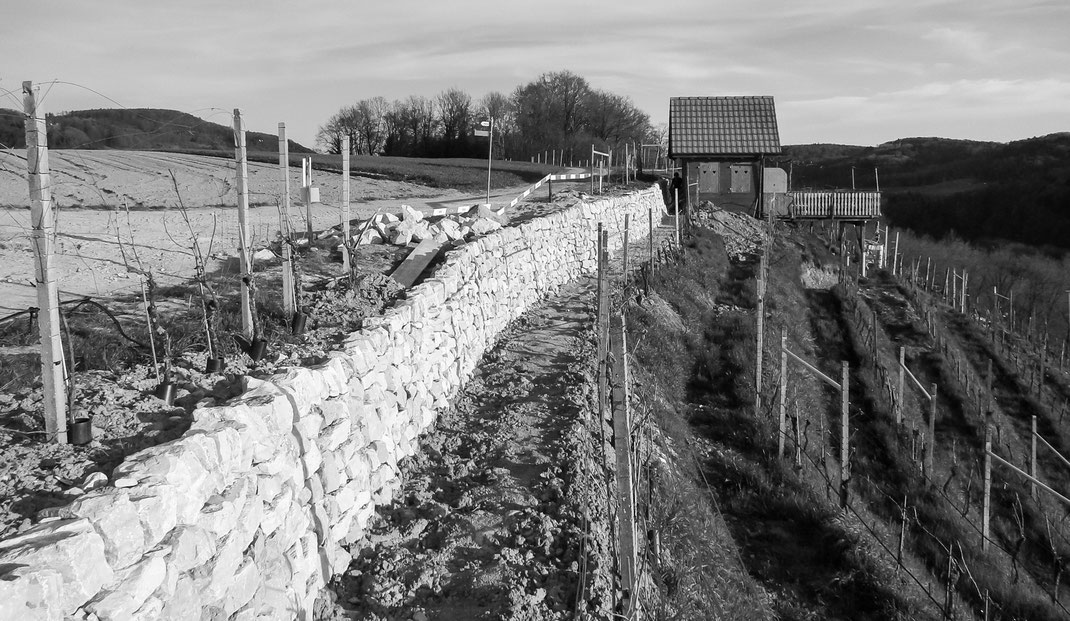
(245, 516)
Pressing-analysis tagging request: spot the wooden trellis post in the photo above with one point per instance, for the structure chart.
(930, 449)
(289, 306)
(902, 386)
(43, 234)
(345, 206)
(760, 334)
(622, 443)
(783, 392)
(627, 222)
(845, 436)
(1033, 457)
(986, 507)
(244, 258)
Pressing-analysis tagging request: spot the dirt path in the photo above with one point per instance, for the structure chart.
(488, 525)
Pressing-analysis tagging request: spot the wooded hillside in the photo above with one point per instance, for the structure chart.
(980, 191)
(143, 129)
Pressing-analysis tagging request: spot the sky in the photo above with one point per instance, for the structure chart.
(841, 71)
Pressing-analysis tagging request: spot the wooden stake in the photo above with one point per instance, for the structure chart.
(43, 222)
(676, 202)
(624, 269)
(244, 258)
(760, 318)
(650, 238)
(288, 305)
(986, 506)
(347, 242)
(1033, 457)
(622, 448)
(901, 400)
(783, 392)
(845, 447)
(930, 449)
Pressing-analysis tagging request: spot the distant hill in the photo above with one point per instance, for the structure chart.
(138, 129)
(980, 191)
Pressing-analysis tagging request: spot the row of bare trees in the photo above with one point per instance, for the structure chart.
(559, 110)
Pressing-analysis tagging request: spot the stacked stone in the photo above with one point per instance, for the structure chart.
(245, 516)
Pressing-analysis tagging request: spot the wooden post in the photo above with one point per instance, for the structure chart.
(783, 392)
(43, 222)
(760, 318)
(624, 267)
(676, 202)
(622, 448)
(990, 379)
(244, 258)
(345, 206)
(845, 438)
(900, 402)
(902, 535)
(289, 306)
(592, 169)
(1033, 457)
(986, 506)
(930, 449)
(598, 322)
(876, 348)
(650, 238)
(895, 253)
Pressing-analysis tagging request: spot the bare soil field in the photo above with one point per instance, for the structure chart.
(102, 195)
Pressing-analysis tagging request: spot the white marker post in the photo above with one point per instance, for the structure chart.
(43, 222)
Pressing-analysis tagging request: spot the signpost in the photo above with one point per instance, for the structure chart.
(488, 133)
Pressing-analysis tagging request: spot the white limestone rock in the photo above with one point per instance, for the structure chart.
(133, 587)
(70, 547)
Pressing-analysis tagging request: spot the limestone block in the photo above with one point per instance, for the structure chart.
(311, 458)
(334, 409)
(32, 594)
(331, 474)
(157, 510)
(242, 588)
(220, 514)
(190, 546)
(304, 386)
(338, 433)
(315, 491)
(285, 465)
(132, 588)
(151, 610)
(358, 469)
(410, 214)
(309, 425)
(185, 604)
(116, 520)
(276, 510)
(335, 376)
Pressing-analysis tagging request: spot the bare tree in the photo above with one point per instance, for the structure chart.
(455, 112)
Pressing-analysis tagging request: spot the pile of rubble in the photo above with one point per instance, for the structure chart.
(743, 235)
(413, 226)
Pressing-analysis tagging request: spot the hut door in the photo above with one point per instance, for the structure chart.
(707, 177)
(741, 180)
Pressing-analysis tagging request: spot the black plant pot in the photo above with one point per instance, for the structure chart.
(165, 391)
(257, 349)
(80, 431)
(297, 324)
(215, 365)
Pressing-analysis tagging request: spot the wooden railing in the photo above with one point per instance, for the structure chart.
(834, 204)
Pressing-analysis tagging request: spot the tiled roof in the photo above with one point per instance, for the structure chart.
(722, 126)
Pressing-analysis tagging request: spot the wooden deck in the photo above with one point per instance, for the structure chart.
(834, 205)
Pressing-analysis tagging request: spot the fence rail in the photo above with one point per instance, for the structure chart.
(834, 204)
